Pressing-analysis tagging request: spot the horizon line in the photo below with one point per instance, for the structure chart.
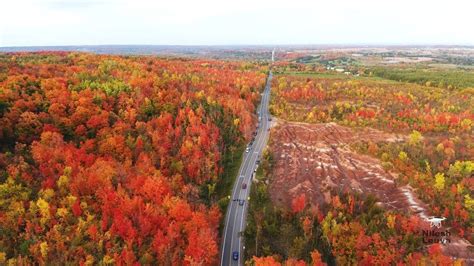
(349, 45)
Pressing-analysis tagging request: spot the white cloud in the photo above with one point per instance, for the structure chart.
(67, 22)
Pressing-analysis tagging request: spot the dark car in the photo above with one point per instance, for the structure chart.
(244, 186)
(241, 202)
(235, 255)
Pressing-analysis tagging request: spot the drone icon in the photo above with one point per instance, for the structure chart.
(436, 221)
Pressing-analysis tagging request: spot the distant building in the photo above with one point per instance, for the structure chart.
(340, 70)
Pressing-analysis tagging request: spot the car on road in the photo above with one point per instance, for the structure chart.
(244, 185)
(247, 150)
(241, 202)
(255, 170)
(235, 255)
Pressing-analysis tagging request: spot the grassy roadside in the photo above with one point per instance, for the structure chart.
(231, 165)
(259, 200)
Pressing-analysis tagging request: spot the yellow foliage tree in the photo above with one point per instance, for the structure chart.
(439, 181)
(469, 202)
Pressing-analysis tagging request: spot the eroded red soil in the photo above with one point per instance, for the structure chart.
(313, 159)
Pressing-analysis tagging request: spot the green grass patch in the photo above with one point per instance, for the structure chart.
(450, 79)
(327, 75)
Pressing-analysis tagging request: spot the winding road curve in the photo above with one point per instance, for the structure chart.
(232, 239)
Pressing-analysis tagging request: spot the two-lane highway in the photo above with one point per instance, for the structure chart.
(232, 239)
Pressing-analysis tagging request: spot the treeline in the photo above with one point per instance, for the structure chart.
(398, 107)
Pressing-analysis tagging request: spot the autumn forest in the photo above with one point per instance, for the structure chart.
(127, 159)
(115, 160)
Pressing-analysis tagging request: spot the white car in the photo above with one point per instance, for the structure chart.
(247, 149)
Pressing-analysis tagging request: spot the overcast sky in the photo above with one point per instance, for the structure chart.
(217, 22)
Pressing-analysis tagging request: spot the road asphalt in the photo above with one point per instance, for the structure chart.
(232, 239)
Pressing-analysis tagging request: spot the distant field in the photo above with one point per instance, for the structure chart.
(335, 76)
(328, 75)
(429, 77)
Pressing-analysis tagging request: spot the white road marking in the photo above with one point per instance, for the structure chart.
(245, 176)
